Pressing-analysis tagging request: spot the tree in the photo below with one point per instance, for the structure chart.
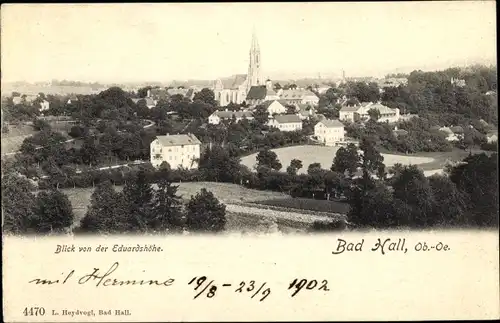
(167, 208)
(268, 158)
(105, 213)
(294, 167)
(374, 114)
(477, 177)
(261, 115)
(314, 167)
(346, 159)
(40, 124)
(206, 95)
(371, 160)
(17, 204)
(450, 204)
(53, 212)
(413, 188)
(290, 109)
(205, 213)
(138, 195)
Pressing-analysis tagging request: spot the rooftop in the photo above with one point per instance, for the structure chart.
(331, 123)
(178, 140)
(257, 92)
(287, 118)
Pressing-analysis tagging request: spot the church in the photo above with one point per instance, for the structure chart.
(235, 90)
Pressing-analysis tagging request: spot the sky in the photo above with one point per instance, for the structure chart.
(163, 42)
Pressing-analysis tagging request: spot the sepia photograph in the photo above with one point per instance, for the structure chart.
(307, 161)
(220, 118)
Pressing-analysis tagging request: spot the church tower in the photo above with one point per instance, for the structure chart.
(253, 76)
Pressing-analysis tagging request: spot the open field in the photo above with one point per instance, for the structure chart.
(325, 155)
(12, 140)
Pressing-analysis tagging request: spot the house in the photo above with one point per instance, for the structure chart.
(457, 82)
(44, 105)
(450, 135)
(360, 112)
(286, 122)
(298, 96)
(17, 100)
(72, 99)
(218, 116)
(274, 107)
(177, 150)
(150, 103)
(259, 94)
(349, 113)
(329, 132)
(306, 114)
(492, 136)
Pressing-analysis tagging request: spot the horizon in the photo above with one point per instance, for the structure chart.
(132, 43)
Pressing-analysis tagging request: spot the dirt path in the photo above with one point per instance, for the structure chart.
(275, 214)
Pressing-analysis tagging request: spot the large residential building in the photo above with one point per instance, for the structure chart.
(298, 96)
(179, 151)
(286, 122)
(218, 116)
(329, 132)
(360, 112)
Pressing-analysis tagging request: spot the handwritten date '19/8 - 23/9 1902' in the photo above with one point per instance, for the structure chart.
(202, 285)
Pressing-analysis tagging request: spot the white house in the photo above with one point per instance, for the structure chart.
(286, 122)
(298, 96)
(330, 132)
(150, 103)
(360, 112)
(177, 150)
(44, 105)
(492, 136)
(349, 113)
(218, 116)
(274, 107)
(450, 135)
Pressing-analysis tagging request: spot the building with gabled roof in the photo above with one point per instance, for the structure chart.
(216, 117)
(286, 122)
(329, 132)
(360, 112)
(179, 151)
(274, 107)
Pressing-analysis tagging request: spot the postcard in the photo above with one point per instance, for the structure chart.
(249, 161)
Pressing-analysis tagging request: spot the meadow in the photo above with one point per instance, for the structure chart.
(309, 154)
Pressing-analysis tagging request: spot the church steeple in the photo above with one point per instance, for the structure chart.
(254, 66)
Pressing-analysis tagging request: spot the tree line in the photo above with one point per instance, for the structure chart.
(139, 207)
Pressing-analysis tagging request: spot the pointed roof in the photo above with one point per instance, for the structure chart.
(331, 123)
(255, 43)
(258, 92)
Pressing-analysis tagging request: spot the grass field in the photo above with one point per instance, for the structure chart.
(12, 140)
(325, 155)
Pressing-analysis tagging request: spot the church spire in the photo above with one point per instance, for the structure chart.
(253, 76)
